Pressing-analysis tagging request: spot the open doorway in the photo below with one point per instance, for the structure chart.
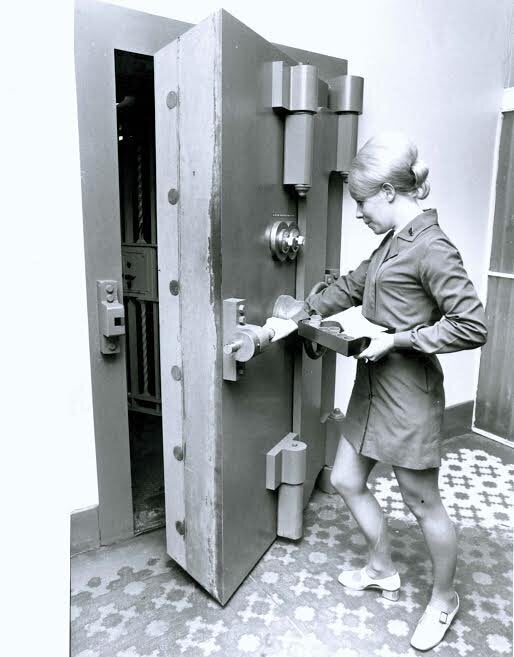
(136, 158)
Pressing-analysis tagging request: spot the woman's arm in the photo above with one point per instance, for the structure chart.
(345, 292)
(462, 325)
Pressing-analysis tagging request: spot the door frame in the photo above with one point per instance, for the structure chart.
(506, 106)
(100, 29)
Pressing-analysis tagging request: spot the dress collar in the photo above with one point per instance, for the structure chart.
(409, 232)
(418, 224)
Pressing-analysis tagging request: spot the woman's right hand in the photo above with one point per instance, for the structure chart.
(287, 307)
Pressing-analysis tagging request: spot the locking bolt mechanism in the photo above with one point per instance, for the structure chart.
(111, 316)
(285, 240)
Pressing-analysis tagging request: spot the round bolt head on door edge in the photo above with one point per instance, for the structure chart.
(173, 196)
(172, 99)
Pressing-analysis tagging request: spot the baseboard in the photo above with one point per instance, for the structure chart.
(84, 530)
(457, 419)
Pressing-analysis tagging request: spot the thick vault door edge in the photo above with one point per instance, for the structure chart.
(189, 162)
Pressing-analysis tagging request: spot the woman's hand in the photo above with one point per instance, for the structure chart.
(287, 307)
(378, 348)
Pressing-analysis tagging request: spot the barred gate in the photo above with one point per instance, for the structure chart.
(136, 154)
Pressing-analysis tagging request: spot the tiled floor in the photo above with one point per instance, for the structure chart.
(131, 600)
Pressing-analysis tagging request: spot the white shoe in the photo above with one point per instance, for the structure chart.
(358, 580)
(432, 627)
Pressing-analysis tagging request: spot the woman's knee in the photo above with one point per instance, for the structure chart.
(419, 505)
(350, 471)
(347, 484)
(420, 492)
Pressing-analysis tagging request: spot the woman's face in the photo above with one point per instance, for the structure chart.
(376, 212)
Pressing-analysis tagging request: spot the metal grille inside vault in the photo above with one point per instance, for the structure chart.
(136, 155)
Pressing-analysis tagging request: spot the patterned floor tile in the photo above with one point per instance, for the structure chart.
(131, 600)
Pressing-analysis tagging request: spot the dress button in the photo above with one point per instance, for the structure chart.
(411, 232)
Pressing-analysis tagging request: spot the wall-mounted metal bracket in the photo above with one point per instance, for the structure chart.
(139, 267)
(111, 316)
(286, 465)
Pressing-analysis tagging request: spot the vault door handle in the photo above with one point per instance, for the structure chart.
(241, 341)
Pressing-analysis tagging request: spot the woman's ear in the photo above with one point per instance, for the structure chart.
(389, 192)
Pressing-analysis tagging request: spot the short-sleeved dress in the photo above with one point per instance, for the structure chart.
(414, 283)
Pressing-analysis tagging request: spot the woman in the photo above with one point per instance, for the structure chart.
(414, 283)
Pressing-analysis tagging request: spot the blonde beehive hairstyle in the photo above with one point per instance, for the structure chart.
(391, 158)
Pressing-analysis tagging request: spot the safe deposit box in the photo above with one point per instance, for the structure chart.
(252, 142)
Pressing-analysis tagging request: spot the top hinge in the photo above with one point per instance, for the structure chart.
(297, 88)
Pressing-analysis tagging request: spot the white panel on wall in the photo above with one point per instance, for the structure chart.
(45, 363)
(77, 398)
(48, 454)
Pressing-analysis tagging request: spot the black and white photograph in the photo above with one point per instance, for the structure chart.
(258, 372)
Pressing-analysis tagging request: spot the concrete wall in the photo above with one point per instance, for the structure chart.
(435, 72)
(434, 69)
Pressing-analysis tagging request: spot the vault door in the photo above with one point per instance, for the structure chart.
(219, 170)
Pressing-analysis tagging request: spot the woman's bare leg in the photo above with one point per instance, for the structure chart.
(420, 492)
(349, 477)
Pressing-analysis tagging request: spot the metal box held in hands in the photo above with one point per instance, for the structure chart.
(343, 344)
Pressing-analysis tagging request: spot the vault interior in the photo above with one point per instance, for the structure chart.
(135, 113)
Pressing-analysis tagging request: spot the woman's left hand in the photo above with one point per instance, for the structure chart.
(378, 348)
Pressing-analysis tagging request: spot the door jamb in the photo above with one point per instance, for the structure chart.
(506, 106)
(100, 29)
